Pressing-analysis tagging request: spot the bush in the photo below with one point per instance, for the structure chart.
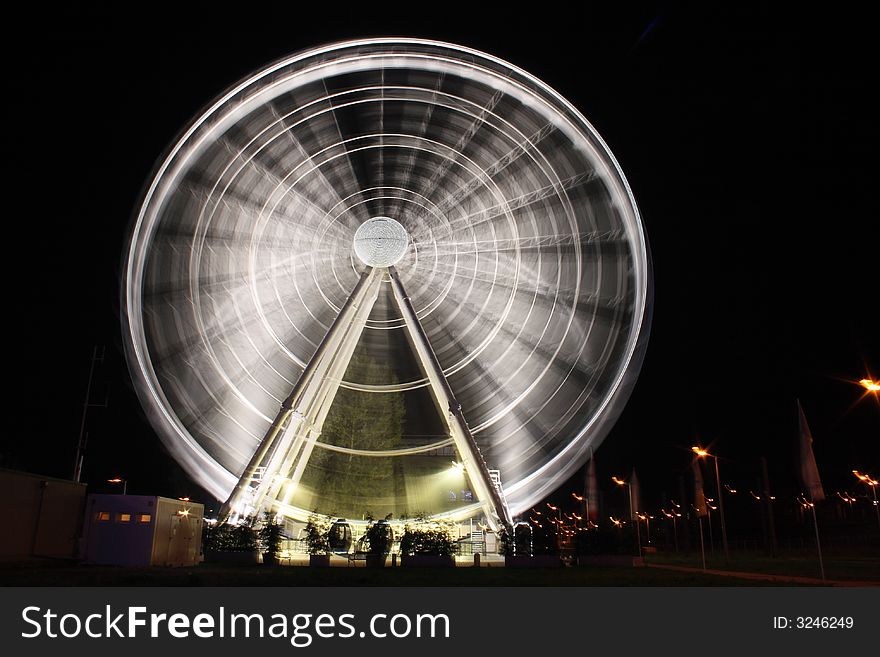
(244, 535)
(270, 534)
(223, 537)
(426, 538)
(524, 541)
(317, 534)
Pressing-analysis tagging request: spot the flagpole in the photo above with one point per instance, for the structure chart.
(818, 544)
(809, 475)
(702, 547)
(632, 517)
(721, 508)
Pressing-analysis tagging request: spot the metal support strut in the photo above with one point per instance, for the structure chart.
(490, 497)
(302, 412)
(287, 446)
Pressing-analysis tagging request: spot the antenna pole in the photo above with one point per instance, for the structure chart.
(83, 434)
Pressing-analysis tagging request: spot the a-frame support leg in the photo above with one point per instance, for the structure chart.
(297, 423)
(287, 446)
(490, 497)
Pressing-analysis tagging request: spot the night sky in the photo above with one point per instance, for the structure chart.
(750, 141)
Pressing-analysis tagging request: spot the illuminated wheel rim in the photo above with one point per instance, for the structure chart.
(528, 265)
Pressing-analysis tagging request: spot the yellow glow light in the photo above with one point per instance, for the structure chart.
(699, 451)
(870, 385)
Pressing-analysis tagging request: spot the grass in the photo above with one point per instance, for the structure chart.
(861, 567)
(235, 575)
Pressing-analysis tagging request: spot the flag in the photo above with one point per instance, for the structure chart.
(634, 487)
(592, 490)
(699, 495)
(809, 473)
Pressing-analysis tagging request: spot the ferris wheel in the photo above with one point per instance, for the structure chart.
(365, 226)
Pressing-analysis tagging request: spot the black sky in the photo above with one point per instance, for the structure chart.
(750, 141)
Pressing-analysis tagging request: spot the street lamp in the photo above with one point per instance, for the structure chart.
(583, 500)
(117, 480)
(711, 508)
(672, 516)
(558, 524)
(847, 499)
(647, 519)
(869, 481)
(617, 523)
(699, 451)
(632, 515)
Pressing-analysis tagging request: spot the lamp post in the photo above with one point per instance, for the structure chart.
(699, 451)
(711, 508)
(117, 480)
(558, 524)
(586, 504)
(617, 523)
(672, 516)
(647, 519)
(632, 515)
(869, 481)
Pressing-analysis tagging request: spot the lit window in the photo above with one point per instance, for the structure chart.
(144, 518)
(124, 517)
(104, 516)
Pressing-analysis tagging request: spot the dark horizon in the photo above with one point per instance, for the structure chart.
(748, 139)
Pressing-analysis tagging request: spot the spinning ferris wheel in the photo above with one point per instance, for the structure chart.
(389, 276)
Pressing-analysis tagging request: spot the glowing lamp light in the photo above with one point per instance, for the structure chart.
(870, 385)
(699, 451)
(865, 478)
(120, 480)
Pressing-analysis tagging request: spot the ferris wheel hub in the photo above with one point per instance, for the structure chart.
(380, 242)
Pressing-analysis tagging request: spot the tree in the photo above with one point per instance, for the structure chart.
(426, 538)
(270, 535)
(348, 484)
(318, 534)
(225, 537)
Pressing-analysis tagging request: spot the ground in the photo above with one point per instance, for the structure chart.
(229, 575)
